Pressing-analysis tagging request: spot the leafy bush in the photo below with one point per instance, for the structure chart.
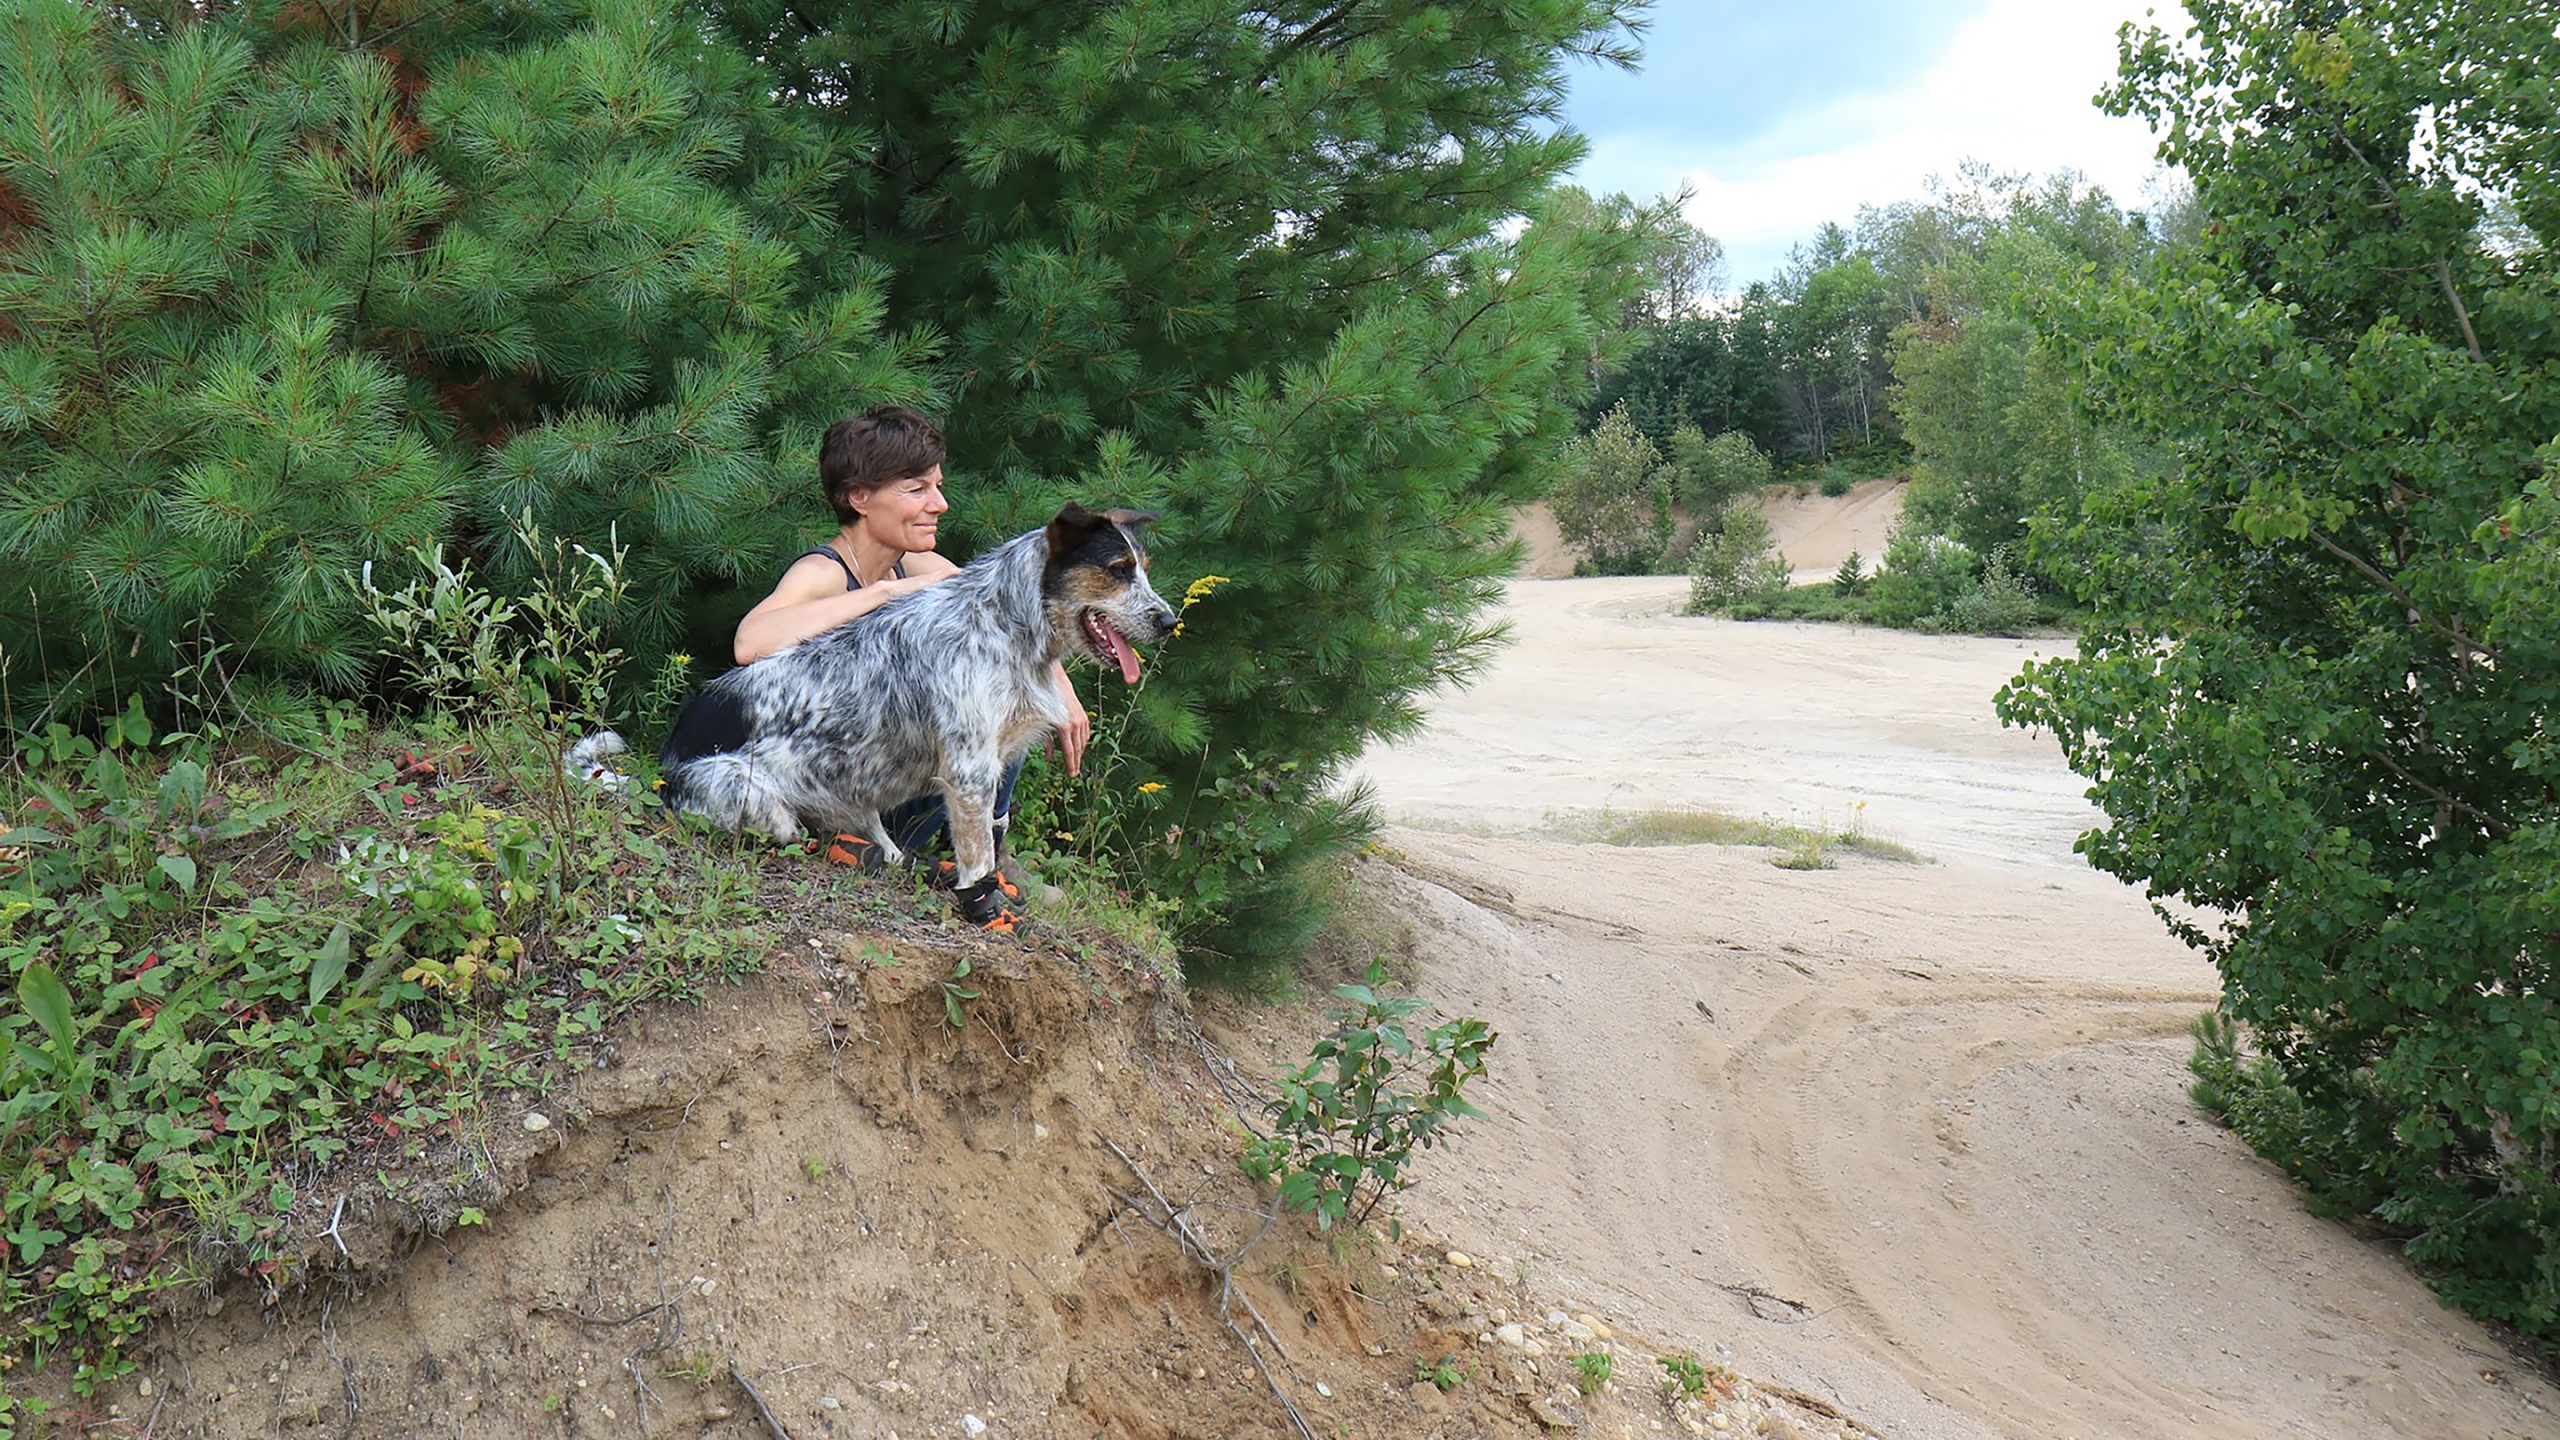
(2318, 705)
(1923, 575)
(1998, 603)
(1712, 472)
(1610, 498)
(1735, 561)
(1349, 1119)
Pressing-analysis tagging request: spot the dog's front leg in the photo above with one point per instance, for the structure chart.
(969, 804)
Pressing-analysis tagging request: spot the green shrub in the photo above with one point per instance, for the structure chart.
(2317, 703)
(1347, 1121)
(1735, 561)
(1922, 576)
(1713, 472)
(1610, 498)
(1998, 603)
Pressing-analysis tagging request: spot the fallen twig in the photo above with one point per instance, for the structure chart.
(1196, 1246)
(659, 1308)
(758, 1401)
(1752, 1295)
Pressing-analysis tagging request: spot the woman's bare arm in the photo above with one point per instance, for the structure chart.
(811, 600)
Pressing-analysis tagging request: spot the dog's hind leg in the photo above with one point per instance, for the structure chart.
(875, 828)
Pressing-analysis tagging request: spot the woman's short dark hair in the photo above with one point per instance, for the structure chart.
(864, 452)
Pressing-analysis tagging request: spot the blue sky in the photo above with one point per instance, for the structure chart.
(1781, 116)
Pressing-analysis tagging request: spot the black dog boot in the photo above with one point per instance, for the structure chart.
(994, 903)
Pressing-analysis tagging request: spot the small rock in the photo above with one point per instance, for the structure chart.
(1557, 1317)
(535, 1122)
(1555, 1414)
(972, 1426)
(142, 1387)
(1514, 1335)
(1389, 1271)
(1592, 1323)
(1461, 1259)
(1428, 1396)
(829, 1402)
(1321, 1388)
(1576, 1330)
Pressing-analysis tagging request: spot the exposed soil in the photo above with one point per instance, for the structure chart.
(814, 1200)
(1909, 1137)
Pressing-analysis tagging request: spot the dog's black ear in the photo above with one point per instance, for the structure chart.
(1071, 527)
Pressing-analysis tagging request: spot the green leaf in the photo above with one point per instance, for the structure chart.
(180, 869)
(330, 965)
(49, 1001)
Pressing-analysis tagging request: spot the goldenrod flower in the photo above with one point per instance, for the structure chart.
(1151, 787)
(1201, 589)
(681, 658)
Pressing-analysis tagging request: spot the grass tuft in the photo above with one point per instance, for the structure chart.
(1802, 846)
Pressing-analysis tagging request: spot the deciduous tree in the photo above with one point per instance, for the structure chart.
(2320, 701)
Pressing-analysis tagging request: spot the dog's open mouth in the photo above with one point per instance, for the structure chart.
(1110, 646)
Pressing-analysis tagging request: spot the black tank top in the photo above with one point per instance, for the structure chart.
(852, 581)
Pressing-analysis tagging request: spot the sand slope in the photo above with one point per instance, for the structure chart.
(1814, 531)
(1911, 1138)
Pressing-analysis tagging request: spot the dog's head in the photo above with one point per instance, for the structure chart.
(1095, 586)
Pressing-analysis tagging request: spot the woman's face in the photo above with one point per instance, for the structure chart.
(904, 514)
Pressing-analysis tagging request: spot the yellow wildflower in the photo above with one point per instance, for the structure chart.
(1201, 589)
(1151, 787)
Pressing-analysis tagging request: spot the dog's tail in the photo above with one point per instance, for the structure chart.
(586, 761)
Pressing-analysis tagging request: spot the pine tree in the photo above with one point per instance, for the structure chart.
(289, 290)
(1238, 263)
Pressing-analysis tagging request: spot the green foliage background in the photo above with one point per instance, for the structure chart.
(285, 298)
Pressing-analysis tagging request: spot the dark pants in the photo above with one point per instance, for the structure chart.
(919, 824)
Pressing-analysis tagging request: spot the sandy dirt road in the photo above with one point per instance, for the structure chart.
(1909, 1137)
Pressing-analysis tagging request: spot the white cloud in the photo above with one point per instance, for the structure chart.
(2012, 90)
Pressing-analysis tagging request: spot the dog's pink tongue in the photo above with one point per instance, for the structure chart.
(1120, 649)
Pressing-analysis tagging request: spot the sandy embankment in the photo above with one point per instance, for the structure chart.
(1815, 532)
(1912, 1138)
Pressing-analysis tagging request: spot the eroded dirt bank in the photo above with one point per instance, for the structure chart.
(1910, 1137)
(814, 1208)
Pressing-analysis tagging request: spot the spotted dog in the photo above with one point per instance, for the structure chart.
(940, 690)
